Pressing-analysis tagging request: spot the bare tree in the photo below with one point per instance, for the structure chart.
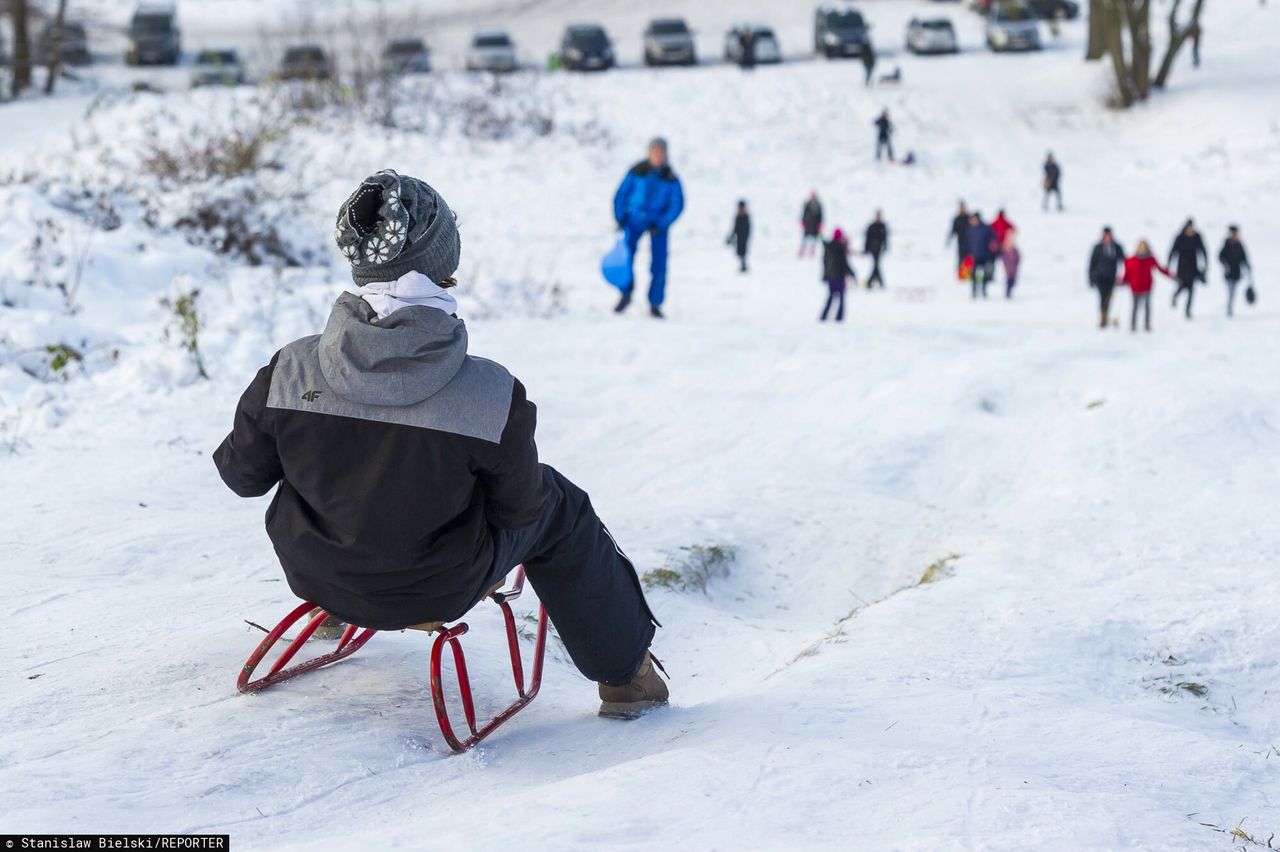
(1121, 29)
(1178, 35)
(55, 54)
(21, 46)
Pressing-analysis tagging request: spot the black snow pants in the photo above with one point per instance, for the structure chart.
(875, 277)
(1190, 288)
(1105, 288)
(589, 587)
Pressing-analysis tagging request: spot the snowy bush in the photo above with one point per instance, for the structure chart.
(692, 568)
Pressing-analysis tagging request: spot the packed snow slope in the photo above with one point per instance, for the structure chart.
(1091, 664)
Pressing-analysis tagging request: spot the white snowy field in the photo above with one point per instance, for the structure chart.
(1097, 668)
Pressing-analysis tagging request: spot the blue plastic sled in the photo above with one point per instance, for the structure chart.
(616, 265)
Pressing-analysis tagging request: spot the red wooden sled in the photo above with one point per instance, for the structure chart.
(353, 638)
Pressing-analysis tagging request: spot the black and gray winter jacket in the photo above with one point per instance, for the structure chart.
(1104, 263)
(397, 457)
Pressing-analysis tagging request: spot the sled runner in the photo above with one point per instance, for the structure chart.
(353, 638)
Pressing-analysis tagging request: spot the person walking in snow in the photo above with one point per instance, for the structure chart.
(1011, 258)
(649, 200)
(408, 477)
(810, 224)
(884, 135)
(875, 244)
(1002, 227)
(981, 247)
(869, 63)
(959, 228)
(1139, 275)
(1052, 181)
(836, 272)
(740, 234)
(1234, 261)
(1186, 257)
(1105, 262)
(747, 49)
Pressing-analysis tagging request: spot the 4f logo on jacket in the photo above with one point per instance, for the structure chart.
(311, 395)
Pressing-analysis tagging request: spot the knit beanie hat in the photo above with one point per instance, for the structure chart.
(394, 224)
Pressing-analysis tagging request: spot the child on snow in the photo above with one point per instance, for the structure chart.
(1010, 257)
(740, 234)
(407, 471)
(836, 272)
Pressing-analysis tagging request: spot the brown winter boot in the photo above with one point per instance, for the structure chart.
(645, 692)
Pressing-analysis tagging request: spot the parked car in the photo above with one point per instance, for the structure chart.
(306, 62)
(73, 47)
(932, 35)
(840, 30)
(669, 41)
(217, 68)
(766, 44)
(491, 50)
(408, 55)
(1055, 9)
(1012, 26)
(154, 36)
(586, 47)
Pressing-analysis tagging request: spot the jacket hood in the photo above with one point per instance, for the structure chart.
(400, 360)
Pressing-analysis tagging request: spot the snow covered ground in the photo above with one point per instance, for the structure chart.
(1096, 668)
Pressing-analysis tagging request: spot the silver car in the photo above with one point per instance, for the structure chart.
(491, 50)
(931, 35)
(1012, 26)
(668, 41)
(217, 68)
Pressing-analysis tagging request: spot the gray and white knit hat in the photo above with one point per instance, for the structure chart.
(394, 224)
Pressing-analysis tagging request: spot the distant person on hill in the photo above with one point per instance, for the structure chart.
(1104, 266)
(875, 244)
(869, 63)
(649, 200)
(1052, 181)
(1234, 262)
(810, 224)
(836, 271)
(959, 228)
(747, 49)
(1188, 251)
(740, 234)
(981, 246)
(884, 135)
(1138, 274)
(406, 473)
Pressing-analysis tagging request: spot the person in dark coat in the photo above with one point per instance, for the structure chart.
(1104, 267)
(1188, 252)
(836, 272)
(884, 135)
(869, 63)
(959, 228)
(406, 474)
(1234, 261)
(810, 224)
(747, 49)
(648, 201)
(981, 245)
(876, 244)
(741, 233)
(1052, 181)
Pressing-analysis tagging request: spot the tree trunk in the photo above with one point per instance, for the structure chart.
(1097, 47)
(1140, 45)
(21, 46)
(1113, 32)
(1177, 38)
(55, 60)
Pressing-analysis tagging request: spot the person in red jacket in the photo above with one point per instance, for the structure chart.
(1003, 227)
(1138, 275)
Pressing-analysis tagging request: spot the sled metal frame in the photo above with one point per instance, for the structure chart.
(353, 639)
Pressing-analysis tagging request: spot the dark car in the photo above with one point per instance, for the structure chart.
(72, 48)
(406, 56)
(668, 41)
(840, 30)
(306, 62)
(586, 47)
(154, 37)
(1048, 10)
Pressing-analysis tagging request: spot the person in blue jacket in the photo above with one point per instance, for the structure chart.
(649, 199)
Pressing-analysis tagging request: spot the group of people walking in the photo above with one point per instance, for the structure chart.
(1188, 264)
(837, 269)
(980, 245)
